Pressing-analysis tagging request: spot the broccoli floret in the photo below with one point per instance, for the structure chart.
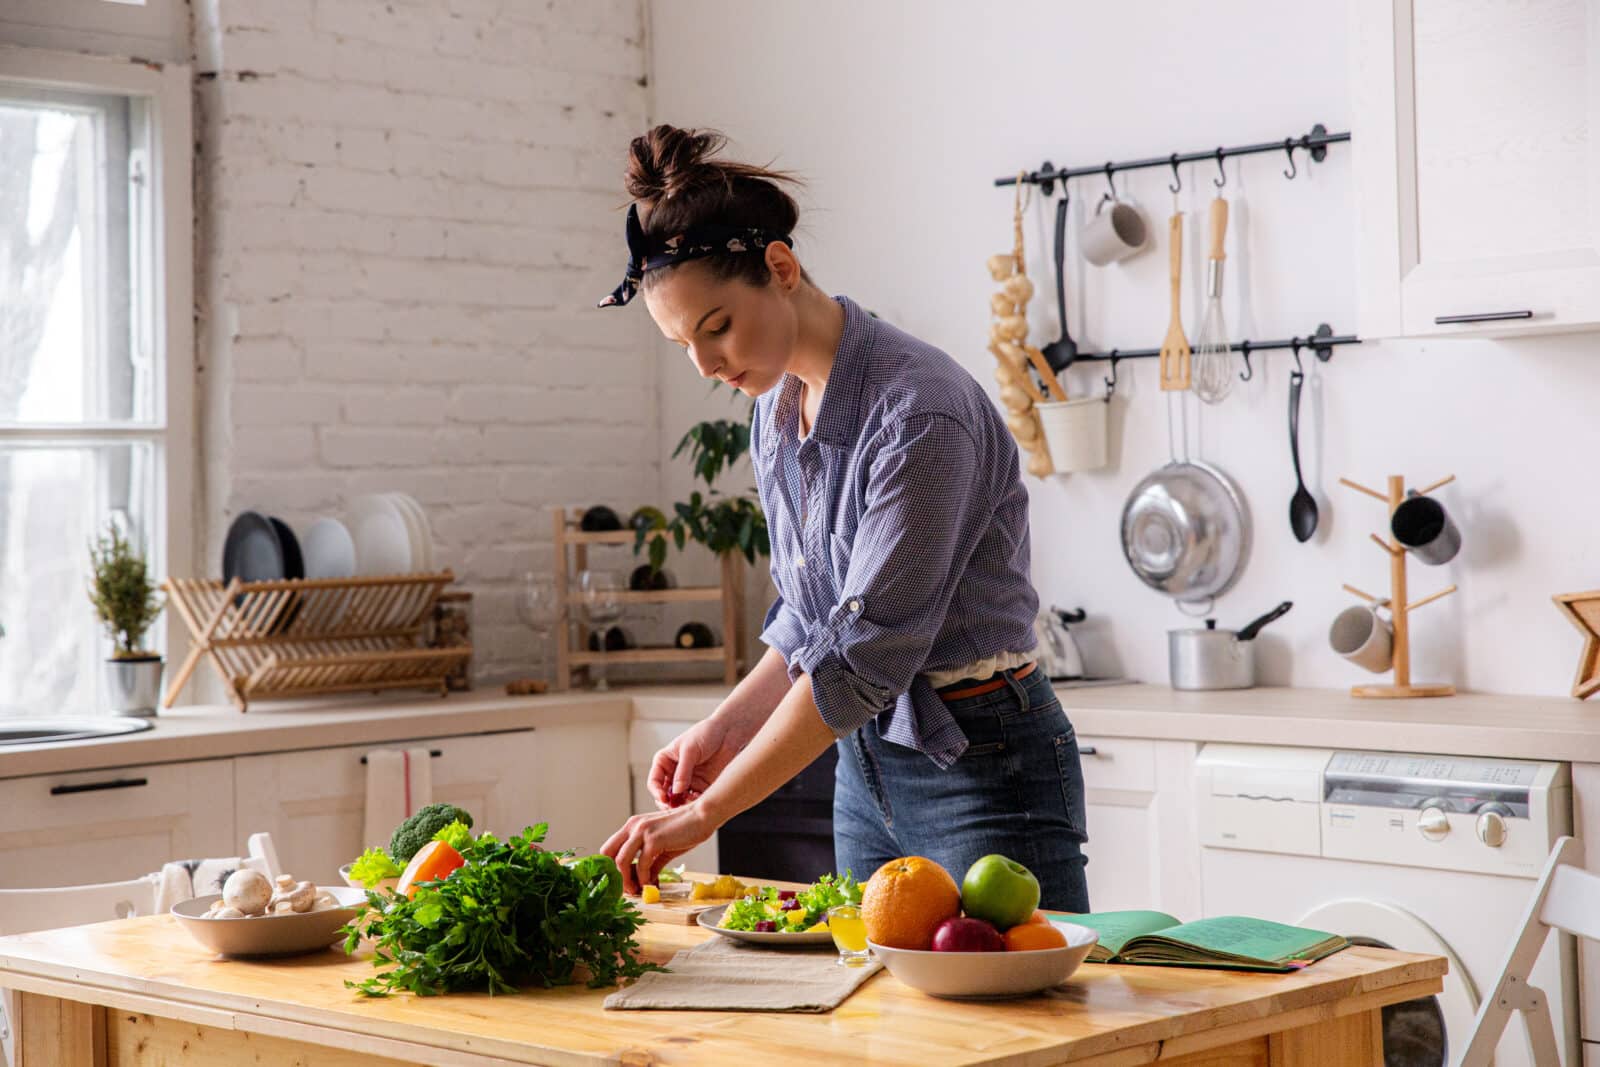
(411, 835)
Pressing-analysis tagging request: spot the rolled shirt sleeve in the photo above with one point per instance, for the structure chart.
(783, 631)
(913, 541)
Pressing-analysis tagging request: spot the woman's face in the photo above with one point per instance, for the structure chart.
(733, 331)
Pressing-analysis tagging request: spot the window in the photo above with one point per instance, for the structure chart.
(87, 433)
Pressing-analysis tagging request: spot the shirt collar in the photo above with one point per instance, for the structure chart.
(837, 420)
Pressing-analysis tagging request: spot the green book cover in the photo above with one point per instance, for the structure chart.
(1230, 942)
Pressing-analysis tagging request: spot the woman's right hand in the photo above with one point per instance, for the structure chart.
(687, 767)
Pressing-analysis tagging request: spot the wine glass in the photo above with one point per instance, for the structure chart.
(602, 606)
(536, 599)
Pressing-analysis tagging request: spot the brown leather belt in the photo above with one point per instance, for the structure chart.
(995, 682)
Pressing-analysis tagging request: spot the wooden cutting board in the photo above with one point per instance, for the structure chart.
(684, 912)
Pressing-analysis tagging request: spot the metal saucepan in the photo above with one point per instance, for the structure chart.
(1210, 658)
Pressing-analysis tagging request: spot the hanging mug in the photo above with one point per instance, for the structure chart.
(1363, 637)
(1425, 529)
(1116, 231)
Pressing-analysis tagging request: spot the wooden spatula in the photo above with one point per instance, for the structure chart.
(1175, 349)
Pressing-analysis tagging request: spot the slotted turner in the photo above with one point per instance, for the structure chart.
(1175, 349)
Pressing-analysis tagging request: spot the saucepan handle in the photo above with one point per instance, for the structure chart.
(1250, 631)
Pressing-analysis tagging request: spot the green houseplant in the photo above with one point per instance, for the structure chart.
(722, 523)
(126, 602)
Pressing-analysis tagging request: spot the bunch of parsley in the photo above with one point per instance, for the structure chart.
(514, 916)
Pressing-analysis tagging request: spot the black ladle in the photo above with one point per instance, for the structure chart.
(1302, 506)
(1060, 354)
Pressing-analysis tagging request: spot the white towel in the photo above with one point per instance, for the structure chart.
(399, 783)
(183, 880)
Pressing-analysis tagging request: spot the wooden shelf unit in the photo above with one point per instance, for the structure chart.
(306, 637)
(572, 556)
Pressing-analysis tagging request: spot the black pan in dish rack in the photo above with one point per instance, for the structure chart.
(1186, 531)
(260, 548)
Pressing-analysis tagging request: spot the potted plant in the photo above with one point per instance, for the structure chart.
(126, 601)
(721, 523)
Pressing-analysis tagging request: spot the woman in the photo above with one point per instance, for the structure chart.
(903, 628)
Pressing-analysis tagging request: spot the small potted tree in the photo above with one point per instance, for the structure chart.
(126, 601)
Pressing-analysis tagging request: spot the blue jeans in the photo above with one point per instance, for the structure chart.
(1016, 790)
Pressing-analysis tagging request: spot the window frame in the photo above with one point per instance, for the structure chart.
(164, 90)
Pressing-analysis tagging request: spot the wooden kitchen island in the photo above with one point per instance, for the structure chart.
(140, 991)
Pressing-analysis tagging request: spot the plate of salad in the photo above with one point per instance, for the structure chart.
(784, 916)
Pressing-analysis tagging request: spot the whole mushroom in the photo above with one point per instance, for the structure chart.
(247, 890)
(293, 895)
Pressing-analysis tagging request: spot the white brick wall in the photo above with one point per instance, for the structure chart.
(407, 209)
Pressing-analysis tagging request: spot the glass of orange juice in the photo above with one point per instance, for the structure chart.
(849, 934)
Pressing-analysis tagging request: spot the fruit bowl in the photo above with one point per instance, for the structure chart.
(989, 975)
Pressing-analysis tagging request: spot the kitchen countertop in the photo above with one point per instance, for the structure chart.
(1470, 724)
(166, 992)
(1467, 724)
(219, 731)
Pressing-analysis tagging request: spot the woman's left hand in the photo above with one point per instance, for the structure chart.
(655, 839)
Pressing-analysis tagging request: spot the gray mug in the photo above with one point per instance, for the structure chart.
(1422, 526)
(1363, 637)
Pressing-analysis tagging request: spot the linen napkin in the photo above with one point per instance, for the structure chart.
(724, 975)
(399, 783)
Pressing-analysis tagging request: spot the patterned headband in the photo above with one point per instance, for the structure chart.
(646, 254)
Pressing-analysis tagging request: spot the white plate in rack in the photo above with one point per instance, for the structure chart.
(383, 545)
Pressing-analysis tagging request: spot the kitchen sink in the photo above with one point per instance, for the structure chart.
(18, 731)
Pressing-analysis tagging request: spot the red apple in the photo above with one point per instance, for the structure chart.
(967, 935)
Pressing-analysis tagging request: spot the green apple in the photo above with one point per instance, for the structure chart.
(1000, 890)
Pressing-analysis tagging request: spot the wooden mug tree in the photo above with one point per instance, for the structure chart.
(1400, 607)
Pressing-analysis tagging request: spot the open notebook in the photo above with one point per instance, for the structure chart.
(1230, 942)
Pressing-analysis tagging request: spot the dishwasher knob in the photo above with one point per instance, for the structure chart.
(1433, 823)
(1492, 829)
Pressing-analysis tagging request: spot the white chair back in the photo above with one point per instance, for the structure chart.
(1567, 898)
(25, 910)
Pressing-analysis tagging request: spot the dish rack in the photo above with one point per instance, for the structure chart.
(307, 637)
(566, 535)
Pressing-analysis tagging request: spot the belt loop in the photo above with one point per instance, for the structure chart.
(1017, 688)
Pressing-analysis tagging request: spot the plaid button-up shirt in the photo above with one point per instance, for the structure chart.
(899, 531)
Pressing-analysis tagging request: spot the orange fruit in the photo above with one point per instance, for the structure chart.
(1037, 917)
(1031, 935)
(906, 900)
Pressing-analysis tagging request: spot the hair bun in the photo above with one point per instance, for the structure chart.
(667, 160)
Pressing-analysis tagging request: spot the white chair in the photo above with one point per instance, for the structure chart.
(26, 910)
(1567, 898)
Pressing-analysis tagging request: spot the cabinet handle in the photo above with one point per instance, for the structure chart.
(1088, 750)
(434, 752)
(95, 787)
(1484, 316)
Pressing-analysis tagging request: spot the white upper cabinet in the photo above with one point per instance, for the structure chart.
(1474, 159)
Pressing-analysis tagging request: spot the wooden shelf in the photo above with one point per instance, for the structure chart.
(572, 555)
(653, 654)
(685, 595)
(606, 537)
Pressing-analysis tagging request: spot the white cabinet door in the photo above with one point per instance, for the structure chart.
(580, 783)
(646, 738)
(573, 776)
(111, 825)
(1143, 852)
(1475, 126)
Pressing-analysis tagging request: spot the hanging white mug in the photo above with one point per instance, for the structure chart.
(1116, 231)
(1363, 637)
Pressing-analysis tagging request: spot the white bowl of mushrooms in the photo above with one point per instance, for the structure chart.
(255, 916)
